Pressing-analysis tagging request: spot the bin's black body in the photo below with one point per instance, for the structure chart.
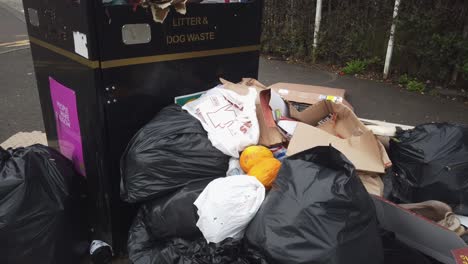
(121, 87)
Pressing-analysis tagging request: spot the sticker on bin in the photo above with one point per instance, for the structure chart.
(332, 98)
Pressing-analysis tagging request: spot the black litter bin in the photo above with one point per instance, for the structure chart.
(105, 70)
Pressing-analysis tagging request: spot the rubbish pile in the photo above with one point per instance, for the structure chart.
(289, 174)
(249, 174)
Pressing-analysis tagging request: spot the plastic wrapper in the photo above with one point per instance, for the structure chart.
(227, 205)
(229, 118)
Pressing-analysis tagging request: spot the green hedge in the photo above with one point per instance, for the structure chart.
(430, 42)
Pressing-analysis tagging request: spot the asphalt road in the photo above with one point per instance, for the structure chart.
(14, 4)
(19, 100)
(20, 107)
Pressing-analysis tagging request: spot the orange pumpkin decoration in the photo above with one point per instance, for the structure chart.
(266, 171)
(253, 155)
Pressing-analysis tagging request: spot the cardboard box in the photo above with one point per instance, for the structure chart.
(309, 94)
(270, 135)
(348, 135)
(421, 233)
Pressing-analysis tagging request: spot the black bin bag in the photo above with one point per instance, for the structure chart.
(396, 252)
(171, 150)
(229, 251)
(41, 212)
(174, 215)
(165, 231)
(164, 218)
(318, 212)
(431, 163)
(144, 249)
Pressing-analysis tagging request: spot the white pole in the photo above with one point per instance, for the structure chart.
(318, 18)
(388, 57)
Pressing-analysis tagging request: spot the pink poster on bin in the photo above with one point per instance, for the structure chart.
(68, 124)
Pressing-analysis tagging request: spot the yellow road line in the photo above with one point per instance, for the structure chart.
(18, 43)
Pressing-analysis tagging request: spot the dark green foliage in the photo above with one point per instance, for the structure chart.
(431, 40)
(415, 86)
(404, 79)
(355, 67)
(465, 70)
(411, 84)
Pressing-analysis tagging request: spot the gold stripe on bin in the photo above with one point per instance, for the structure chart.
(91, 64)
(143, 60)
(177, 56)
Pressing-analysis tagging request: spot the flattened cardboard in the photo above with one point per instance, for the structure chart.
(242, 88)
(309, 89)
(309, 94)
(372, 182)
(418, 232)
(349, 136)
(362, 150)
(252, 82)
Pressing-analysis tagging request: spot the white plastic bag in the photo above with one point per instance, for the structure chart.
(229, 118)
(234, 168)
(227, 205)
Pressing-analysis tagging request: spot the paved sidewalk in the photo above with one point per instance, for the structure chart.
(20, 107)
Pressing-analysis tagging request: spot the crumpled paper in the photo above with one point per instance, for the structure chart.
(161, 8)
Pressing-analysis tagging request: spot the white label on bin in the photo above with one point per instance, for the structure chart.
(81, 44)
(33, 17)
